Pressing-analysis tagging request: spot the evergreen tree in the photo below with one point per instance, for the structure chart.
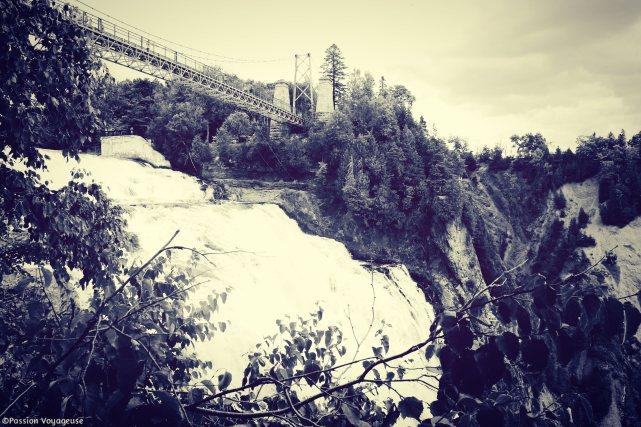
(334, 69)
(423, 124)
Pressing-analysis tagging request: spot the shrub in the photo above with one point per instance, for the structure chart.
(585, 241)
(610, 259)
(496, 161)
(200, 154)
(559, 201)
(583, 219)
(619, 177)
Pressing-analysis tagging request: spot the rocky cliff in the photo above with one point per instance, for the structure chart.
(495, 232)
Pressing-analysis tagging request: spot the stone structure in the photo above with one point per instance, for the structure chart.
(281, 100)
(132, 147)
(324, 99)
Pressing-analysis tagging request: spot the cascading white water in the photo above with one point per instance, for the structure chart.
(272, 268)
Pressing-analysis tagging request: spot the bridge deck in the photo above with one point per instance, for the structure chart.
(122, 46)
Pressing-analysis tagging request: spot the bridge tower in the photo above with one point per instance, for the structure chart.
(281, 100)
(303, 80)
(324, 99)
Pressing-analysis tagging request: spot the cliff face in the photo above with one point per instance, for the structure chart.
(456, 262)
(504, 223)
(500, 227)
(624, 278)
(497, 230)
(447, 268)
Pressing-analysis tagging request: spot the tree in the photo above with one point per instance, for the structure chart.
(334, 69)
(46, 85)
(46, 101)
(530, 146)
(178, 122)
(129, 105)
(423, 124)
(237, 127)
(403, 96)
(62, 357)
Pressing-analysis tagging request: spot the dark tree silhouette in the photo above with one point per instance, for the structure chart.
(334, 69)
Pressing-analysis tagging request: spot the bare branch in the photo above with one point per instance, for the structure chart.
(133, 311)
(360, 379)
(44, 290)
(359, 343)
(13, 402)
(93, 346)
(291, 405)
(494, 283)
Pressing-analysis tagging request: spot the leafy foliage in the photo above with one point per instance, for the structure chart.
(82, 333)
(129, 106)
(89, 237)
(46, 84)
(382, 166)
(47, 95)
(307, 384)
(135, 351)
(561, 348)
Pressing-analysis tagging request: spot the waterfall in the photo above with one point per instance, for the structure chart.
(271, 268)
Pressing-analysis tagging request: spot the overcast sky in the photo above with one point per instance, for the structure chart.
(480, 70)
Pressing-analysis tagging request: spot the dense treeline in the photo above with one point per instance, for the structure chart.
(371, 158)
(381, 165)
(175, 117)
(613, 161)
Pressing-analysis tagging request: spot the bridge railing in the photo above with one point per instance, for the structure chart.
(97, 24)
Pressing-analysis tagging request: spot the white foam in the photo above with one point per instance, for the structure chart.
(274, 270)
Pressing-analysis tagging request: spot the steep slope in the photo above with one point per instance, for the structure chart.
(495, 232)
(624, 277)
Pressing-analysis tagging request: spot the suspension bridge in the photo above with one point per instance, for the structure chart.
(133, 49)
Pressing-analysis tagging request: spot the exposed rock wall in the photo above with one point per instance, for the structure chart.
(495, 233)
(461, 276)
(625, 277)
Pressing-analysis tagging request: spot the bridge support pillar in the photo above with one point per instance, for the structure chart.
(275, 129)
(282, 100)
(324, 99)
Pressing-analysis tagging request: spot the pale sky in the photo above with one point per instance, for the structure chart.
(480, 70)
